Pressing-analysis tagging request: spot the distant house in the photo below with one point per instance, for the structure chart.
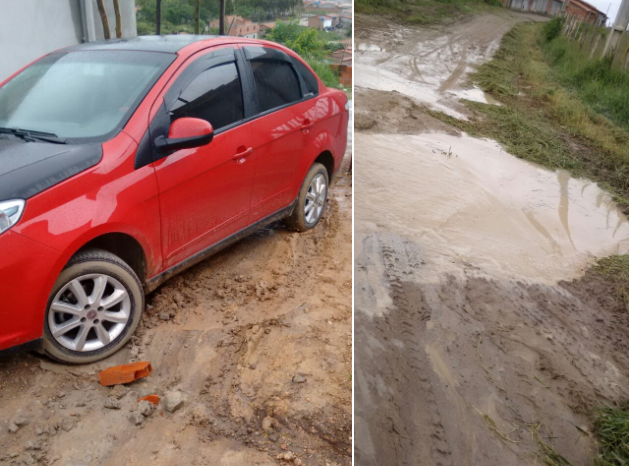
(323, 22)
(238, 26)
(266, 27)
(343, 56)
(345, 21)
(578, 8)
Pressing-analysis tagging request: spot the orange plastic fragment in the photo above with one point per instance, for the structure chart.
(126, 373)
(151, 399)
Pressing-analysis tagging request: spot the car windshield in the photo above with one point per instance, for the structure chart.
(83, 95)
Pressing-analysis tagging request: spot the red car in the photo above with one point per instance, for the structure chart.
(124, 162)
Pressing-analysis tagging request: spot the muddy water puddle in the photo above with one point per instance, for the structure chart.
(469, 204)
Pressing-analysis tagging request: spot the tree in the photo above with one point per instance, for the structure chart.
(118, 20)
(197, 17)
(103, 18)
(221, 18)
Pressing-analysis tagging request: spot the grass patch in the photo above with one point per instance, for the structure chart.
(616, 269)
(424, 12)
(612, 431)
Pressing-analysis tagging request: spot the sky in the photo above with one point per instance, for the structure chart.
(602, 5)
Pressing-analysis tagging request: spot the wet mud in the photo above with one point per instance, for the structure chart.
(480, 330)
(257, 340)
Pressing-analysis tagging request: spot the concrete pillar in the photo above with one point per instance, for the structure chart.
(620, 25)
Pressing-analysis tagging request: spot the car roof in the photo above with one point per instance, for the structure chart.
(168, 44)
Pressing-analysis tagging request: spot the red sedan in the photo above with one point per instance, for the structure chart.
(125, 162)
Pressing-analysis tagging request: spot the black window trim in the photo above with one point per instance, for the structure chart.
(160, 124)
(277, 55)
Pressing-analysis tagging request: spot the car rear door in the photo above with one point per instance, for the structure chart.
(205, 192)
(283, 118)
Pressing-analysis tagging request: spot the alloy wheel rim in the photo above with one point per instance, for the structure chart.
(315, 199)
(89, 312)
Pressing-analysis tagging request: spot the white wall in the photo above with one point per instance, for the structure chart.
(32, 28)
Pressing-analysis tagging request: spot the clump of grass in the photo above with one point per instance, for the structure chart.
(552, 29)
(612, 431)
(616, 269)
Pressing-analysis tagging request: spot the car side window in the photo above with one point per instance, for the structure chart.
(215, 96)
(312, 85)
(276, 83)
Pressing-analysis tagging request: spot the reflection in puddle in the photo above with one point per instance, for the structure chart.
(484, 207)
(364, 47)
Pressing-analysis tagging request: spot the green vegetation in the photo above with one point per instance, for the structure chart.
(544, 118)
(612, 431)
(616, 269)
(178, 15)
(424, 11)
(309, 44)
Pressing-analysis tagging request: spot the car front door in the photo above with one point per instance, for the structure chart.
(281, 122)
(205, 192)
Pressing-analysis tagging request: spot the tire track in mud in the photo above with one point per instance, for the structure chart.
(400, 432)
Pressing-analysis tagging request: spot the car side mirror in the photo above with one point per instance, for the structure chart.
(185, 133)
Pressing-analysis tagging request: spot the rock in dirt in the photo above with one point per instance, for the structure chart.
(112, 403)
(16, 423)
(136, 418)
(146, 408)
(173, 401)
(289, 457)
(298, 378)
(268, 423)
(68, 424)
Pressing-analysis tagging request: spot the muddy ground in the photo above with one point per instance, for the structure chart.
(482, 335)
(257, 340)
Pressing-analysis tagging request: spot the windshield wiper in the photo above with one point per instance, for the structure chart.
(30, 135)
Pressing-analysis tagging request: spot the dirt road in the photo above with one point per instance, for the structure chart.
(479, 340)
(256, 339)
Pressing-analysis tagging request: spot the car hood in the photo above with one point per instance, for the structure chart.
(28, 168)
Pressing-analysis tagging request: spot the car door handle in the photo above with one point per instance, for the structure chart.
(240, 156)
(307, 125)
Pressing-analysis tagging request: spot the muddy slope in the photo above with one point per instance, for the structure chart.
(256, 339)
(479, 335)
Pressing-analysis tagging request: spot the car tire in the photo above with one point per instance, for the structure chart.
(99, 320)
(311, 201)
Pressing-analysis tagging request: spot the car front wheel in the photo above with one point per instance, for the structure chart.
(94, 308)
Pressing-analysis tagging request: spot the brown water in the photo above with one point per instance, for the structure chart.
(467, 201)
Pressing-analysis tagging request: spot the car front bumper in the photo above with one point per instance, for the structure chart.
(25, 282)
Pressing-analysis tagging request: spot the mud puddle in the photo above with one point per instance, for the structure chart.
(257, 340)
(477, 334)
(469, 203)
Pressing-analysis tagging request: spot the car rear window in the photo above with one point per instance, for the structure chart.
(312, 85)
(276, 82)
(215, 96)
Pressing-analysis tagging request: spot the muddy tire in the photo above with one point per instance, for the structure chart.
(94, 308)
(312, 199)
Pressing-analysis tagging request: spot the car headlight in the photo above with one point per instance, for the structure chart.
(10, 213)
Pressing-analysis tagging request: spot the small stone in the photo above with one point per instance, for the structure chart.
(274, 437)
(118, 392)
(19, 421)
(112, 403)
(298, 378)
(68, 424)
(252, 367)
(32, 445)
(286, 456)
(13, 427)
(146, 408)
(136, 418)
(173, 401)
(267, 424)
(164, 315)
